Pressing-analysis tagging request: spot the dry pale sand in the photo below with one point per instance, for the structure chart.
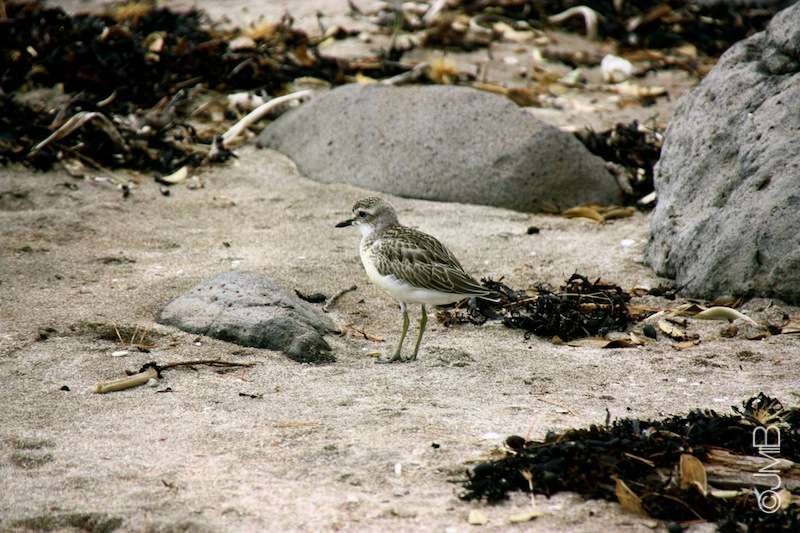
(345, 446)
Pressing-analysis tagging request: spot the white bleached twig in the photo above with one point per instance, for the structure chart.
(258, 113)
(433, 11)
(78, 120)
(408, 76)
(589, 15)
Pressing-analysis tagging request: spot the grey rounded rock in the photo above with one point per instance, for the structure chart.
(444, 143)
(728, 181)
(252, 310)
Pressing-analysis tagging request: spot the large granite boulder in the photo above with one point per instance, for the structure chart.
(728, 182)
(252, 310)
(442, 143)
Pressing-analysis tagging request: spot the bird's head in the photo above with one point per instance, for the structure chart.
(371, 214)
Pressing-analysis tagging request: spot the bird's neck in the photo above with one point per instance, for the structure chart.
(370, 233)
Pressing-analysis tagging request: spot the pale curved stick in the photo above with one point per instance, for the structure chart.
(78, 120)
(258, 113)
(127, 382)
(589, 15)
(433, 11)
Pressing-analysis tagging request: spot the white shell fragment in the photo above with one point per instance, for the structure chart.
(176, 177)
(244, 101)
(120, 353)
(723, 313)
(477, 518)
(616, 69)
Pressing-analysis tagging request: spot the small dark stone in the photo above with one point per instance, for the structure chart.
(650, 331)
(515, 442)
(65, 388)
(435, 445)
(533, 230)
(44, 333)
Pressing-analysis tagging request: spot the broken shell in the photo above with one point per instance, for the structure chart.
(176, 177)
(242, 42)
(477, 518)
(616, 69)
(723, 313)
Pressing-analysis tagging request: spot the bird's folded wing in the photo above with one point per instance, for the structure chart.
(409, 245)
(437, 277)
(423, 262)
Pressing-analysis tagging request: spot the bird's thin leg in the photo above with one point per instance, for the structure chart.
(397, 354)
(423, 320)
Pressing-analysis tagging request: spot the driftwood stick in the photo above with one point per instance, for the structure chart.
(258, 113)
(408, 76)
(731, 471)
(127, 382)
(590, 17)
(153, 371)
(336, 296)
(78, 120)
(207, 362)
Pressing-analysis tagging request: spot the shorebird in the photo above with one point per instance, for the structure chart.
(412, 266)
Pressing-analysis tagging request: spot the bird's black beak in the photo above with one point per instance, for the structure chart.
(345, 223)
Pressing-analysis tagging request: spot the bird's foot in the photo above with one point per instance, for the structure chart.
(396, 358)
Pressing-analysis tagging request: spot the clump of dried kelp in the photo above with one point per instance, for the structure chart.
(633, 151)
(137, 80)
(682, 468)
(580, 308)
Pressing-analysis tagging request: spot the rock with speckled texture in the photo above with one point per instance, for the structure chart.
(445, 143)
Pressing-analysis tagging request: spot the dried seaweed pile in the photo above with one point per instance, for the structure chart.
(636, 462)
(636, 24)
(580, 308)
(634, 151)
(139, 68)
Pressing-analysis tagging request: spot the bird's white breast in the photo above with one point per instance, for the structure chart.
(400, 290)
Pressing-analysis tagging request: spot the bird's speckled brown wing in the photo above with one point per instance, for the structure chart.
(422, 261)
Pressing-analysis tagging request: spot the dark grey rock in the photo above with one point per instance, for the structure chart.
(444, 143)
(252, 310)
(728, 182)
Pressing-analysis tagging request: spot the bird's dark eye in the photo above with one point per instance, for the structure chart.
(362, 214)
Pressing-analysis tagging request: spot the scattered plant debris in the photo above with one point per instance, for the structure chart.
(682, 468)
(143, 88)
(598, 213)
(153, 370)
(330, 303)
(314, 297)
(580, 308)
(633, 151)
(709, 27)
